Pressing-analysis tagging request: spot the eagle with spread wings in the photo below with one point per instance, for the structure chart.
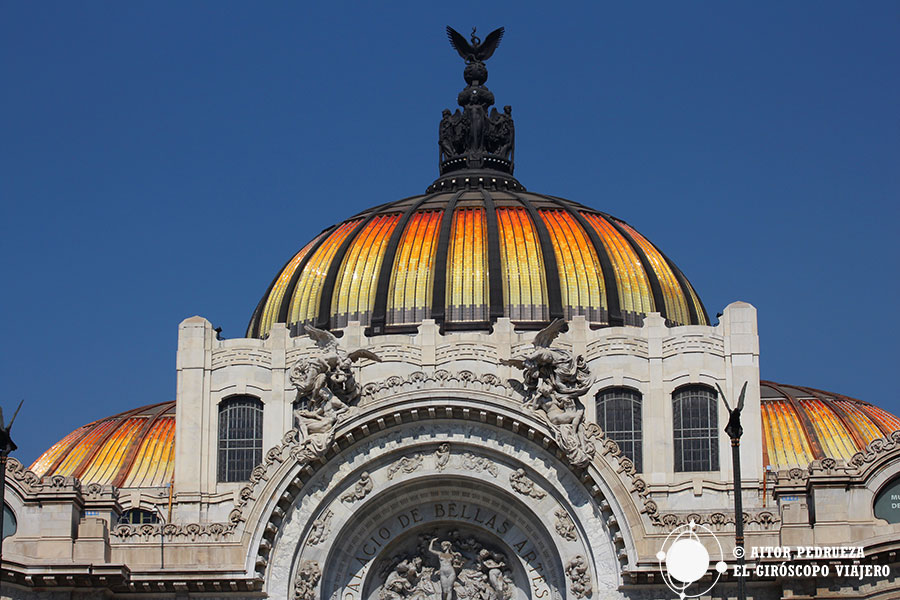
(477, 51)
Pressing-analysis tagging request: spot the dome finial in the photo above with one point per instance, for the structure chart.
(475, 138)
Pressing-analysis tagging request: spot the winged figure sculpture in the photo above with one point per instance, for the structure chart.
(330, 371)
(733, 427)
(6, 443)
(476, 51)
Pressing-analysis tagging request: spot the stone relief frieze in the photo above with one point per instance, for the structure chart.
(442, 456)
(617, 345)
(579, 577)
(406, 353)
(441, 378)
(321, 527)
(444, 353)
(240, 356)
(553, 380)
(523, 484)
(359, 490)
(449, 566)
(565, 527)
(686, 343)
(765, 519)
(307, 579)
(478, 464)
(407, 465)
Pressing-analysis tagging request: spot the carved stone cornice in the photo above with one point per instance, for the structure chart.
(25, 479)
(765, 519)
(57, 487)
(119, 579)
(173, 531)
(440, 379)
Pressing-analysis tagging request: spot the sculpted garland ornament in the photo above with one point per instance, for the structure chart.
(552, 383)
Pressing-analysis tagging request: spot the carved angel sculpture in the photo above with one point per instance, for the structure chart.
(331, 370)
(553, 380)
(326, 389)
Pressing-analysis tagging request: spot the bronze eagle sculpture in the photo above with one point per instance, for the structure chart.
(477, 51)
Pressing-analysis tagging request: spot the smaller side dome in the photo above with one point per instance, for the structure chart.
(135, 448)
(802, 424)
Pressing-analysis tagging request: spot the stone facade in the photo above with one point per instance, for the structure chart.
(440, 448)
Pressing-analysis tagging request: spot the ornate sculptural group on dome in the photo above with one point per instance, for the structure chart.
(466, 138)
(553, 381)
(472, 132)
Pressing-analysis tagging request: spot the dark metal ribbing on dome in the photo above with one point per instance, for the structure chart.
(685, 290)
(551, 269)
(840, 414)
(253, 327)
(439, 285)
(805, 421)
(610, 283)
(98, 445)
(323, 320)
(131, 456)
(659, 300)
(495, 268)
(379, 309)
(292, 286)
(64, 455)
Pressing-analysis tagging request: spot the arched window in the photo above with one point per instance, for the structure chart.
(10, 524)
(619, 414)
(240, 437)
(138, 516)
(696, 428)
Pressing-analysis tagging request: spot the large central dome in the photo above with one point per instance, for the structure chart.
(476, 247)
(465, 258)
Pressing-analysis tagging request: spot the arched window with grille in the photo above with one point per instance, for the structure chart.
(240, 437)
(696, 429)
(619, 414)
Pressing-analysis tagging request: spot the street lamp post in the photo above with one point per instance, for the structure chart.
(6, 447)
(734, 431)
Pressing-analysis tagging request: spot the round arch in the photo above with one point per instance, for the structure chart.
(480, 454)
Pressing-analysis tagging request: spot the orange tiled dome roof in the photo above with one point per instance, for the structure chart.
(135, 448)
(465, 258)
(802, 424)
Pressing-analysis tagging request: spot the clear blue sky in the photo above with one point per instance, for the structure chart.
(161, 160)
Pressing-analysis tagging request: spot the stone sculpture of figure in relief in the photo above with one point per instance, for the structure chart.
(463, 569)
(410, 579)
(492, 564)
(448, 560)
(326, 390)
(552, 383)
